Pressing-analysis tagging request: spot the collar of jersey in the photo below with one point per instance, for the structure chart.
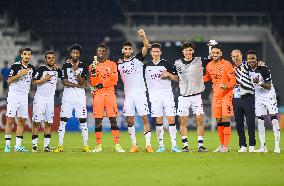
(48, 67)
(68, 61)
(156, 63)
(24, 65)
(186, 62)
(128, 60)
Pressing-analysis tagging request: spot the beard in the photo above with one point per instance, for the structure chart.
(75, 58)
(50, 65)
(127, 55)
(26, 60)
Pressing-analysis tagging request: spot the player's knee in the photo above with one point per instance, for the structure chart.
(183, 120)
(64, 119)
(199, 119)
(21, 122)
(200, 123)
(171, 120)
(218, 120)
(98, 122)
(36, 124)
(226, 119)
(130, 121)
(144, 118)
(47, 125)
(159, 120)
(10, 121)
(113, 121)
(82, 120)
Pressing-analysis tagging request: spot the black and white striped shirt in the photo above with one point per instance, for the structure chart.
(243, 79)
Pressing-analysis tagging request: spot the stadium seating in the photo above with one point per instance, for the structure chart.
(274, 10)
(62, 23)
(12, 40)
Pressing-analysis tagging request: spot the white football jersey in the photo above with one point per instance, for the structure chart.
(73, 94)
(158, 87)
(46, 91)
(190, 75)
(263, 73)
(131, 72)
(23, 84)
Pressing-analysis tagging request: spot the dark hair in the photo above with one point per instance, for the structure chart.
(6, 62)
(102, 46)
(75, 47)
(251, 52)
(26, 49)
(127, 43)
(49, 52)
(187, 44)
(218, 46)
(156, 45)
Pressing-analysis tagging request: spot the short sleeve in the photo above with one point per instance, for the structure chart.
(64, 74)
(140, 57)
(84, 73)
(171, 68)
(38, 73)
(59, 73)
(266, 75)
(14, 69)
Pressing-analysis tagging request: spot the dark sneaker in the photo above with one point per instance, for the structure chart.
(185, 149)
(47, 149)
(34, 149)
(202, 149)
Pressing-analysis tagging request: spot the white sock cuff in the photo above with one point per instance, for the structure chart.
(132, 127)
(8, 136)
(200, 138)
(184, 137)
(275, 121)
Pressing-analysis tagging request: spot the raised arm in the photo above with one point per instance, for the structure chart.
(142, 34)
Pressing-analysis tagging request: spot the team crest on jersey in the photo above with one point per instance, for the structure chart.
(11, 72)
(36, 75)
(220, 70)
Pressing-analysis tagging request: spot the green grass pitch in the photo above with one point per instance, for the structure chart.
(109, 168)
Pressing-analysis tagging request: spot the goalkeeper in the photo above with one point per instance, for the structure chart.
(103, 78)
